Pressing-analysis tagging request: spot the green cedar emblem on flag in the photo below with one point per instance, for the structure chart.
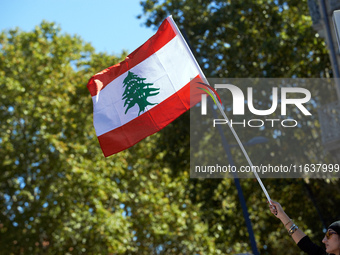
(137, 92)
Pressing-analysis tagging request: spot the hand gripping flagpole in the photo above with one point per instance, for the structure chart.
(174, 26)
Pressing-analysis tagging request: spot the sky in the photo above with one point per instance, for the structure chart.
(109, 25)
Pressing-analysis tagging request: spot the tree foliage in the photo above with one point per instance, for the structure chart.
(57, 195)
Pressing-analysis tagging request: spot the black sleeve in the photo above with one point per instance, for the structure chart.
(309, 247)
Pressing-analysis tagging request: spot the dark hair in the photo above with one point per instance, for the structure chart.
(335, 226)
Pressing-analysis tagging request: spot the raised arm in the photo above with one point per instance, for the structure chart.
(296, 233)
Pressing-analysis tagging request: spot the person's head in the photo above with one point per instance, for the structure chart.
(332, 238)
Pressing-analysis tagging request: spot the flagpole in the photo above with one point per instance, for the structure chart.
(244, 151)
(173, 24)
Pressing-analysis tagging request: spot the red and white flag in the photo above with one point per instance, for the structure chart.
(145, 92)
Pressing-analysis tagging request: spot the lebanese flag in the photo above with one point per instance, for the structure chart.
(144, 93)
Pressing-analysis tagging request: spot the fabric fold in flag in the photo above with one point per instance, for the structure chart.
(144, 93)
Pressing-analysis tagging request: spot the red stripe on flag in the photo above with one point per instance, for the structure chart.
(148, 123)
(163, 35)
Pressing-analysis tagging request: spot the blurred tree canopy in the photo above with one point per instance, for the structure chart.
(59, 195)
